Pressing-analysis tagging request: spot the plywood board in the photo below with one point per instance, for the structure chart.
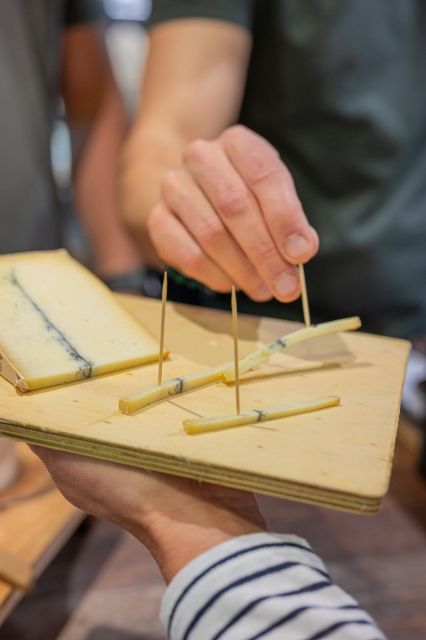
(340, 457)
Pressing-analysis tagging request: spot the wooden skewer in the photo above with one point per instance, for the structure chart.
(305, 303)
(235, 338)
(163, 323)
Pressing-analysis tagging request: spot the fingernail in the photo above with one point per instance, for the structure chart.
(262, 293)
(285, 284)
(296, 246)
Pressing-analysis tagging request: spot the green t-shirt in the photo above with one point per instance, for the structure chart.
(30, 34)
(339, 88)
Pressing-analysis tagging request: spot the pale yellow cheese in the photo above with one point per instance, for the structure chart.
(307, 333)
(226, 371)
(194, 426)
(59, 323)
(173, 387)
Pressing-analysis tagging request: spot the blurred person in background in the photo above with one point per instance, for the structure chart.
(333, 99)
(48, 50)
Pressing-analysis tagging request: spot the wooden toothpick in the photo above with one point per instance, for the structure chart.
(305, 303)
(235, 337)
(163, 323)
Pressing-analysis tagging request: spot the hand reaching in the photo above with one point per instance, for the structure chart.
(231, 214)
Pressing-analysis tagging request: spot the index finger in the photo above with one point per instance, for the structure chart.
(262, 170)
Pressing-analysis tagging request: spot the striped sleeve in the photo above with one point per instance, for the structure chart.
(261, 586)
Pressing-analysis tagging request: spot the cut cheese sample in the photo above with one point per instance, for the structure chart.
(307, 333)
(225, 371)
(172, 387)
(196, 426)
(59, 323)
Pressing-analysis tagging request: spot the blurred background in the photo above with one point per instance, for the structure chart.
(126, 42)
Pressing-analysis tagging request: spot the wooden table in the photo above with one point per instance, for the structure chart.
(35, 522)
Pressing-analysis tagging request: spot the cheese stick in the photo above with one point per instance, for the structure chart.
(307, 333)
(225, 371)
(172, 387)
(195, 426)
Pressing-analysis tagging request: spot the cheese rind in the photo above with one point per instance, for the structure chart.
(195, 426)
(59, 323)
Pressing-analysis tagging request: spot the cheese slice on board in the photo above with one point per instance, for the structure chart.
(59, 323)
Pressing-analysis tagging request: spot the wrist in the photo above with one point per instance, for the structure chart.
(175, 541)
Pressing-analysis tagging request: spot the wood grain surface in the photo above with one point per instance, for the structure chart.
(339, 457)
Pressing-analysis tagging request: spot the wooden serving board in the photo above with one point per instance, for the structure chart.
(339, 457)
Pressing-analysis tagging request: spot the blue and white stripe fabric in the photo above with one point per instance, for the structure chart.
(261, 586)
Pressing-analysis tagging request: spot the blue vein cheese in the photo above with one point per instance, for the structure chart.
(59, 323)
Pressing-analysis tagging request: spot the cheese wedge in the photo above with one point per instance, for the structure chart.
(59, 323)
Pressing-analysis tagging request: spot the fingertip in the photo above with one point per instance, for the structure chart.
(261, 294)
(301, 247)
(315, 240)
(222, 286)
(286, 287)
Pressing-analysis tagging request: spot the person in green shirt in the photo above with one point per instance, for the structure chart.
(332, 99)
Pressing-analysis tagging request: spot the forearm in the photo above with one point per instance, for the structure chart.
(183, 96)
(96, 116)
(229, 578)
(148, 154)
(179, 537)
(96, 190)
(262, 585)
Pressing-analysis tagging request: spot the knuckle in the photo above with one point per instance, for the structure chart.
(196, 151)
(193, 263)
(169, 181)
(234, 133)
(172, 188)
(155, 218)
(211, 233)
(264, 255)
(264, 168)
(233, 200)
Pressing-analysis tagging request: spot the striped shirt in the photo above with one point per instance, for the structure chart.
(261, 586)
